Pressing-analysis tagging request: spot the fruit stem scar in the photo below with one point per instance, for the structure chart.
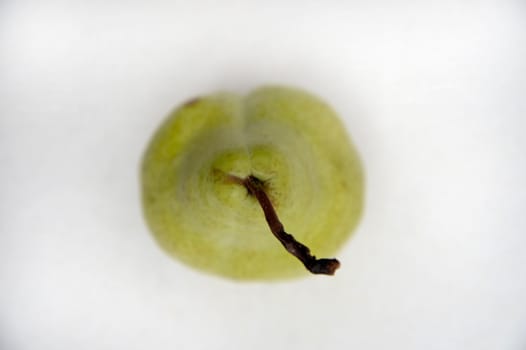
(256, 188)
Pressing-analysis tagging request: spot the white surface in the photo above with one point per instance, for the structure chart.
(433, 95)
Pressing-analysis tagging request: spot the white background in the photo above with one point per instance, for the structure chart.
(433, 95)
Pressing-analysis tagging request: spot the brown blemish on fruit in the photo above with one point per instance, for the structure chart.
(192, 102)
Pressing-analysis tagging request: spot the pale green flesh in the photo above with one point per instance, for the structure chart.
(284, 136)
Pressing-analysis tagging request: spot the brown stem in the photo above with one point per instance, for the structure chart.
(255, 187)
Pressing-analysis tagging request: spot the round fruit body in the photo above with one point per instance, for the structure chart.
(287, 138)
